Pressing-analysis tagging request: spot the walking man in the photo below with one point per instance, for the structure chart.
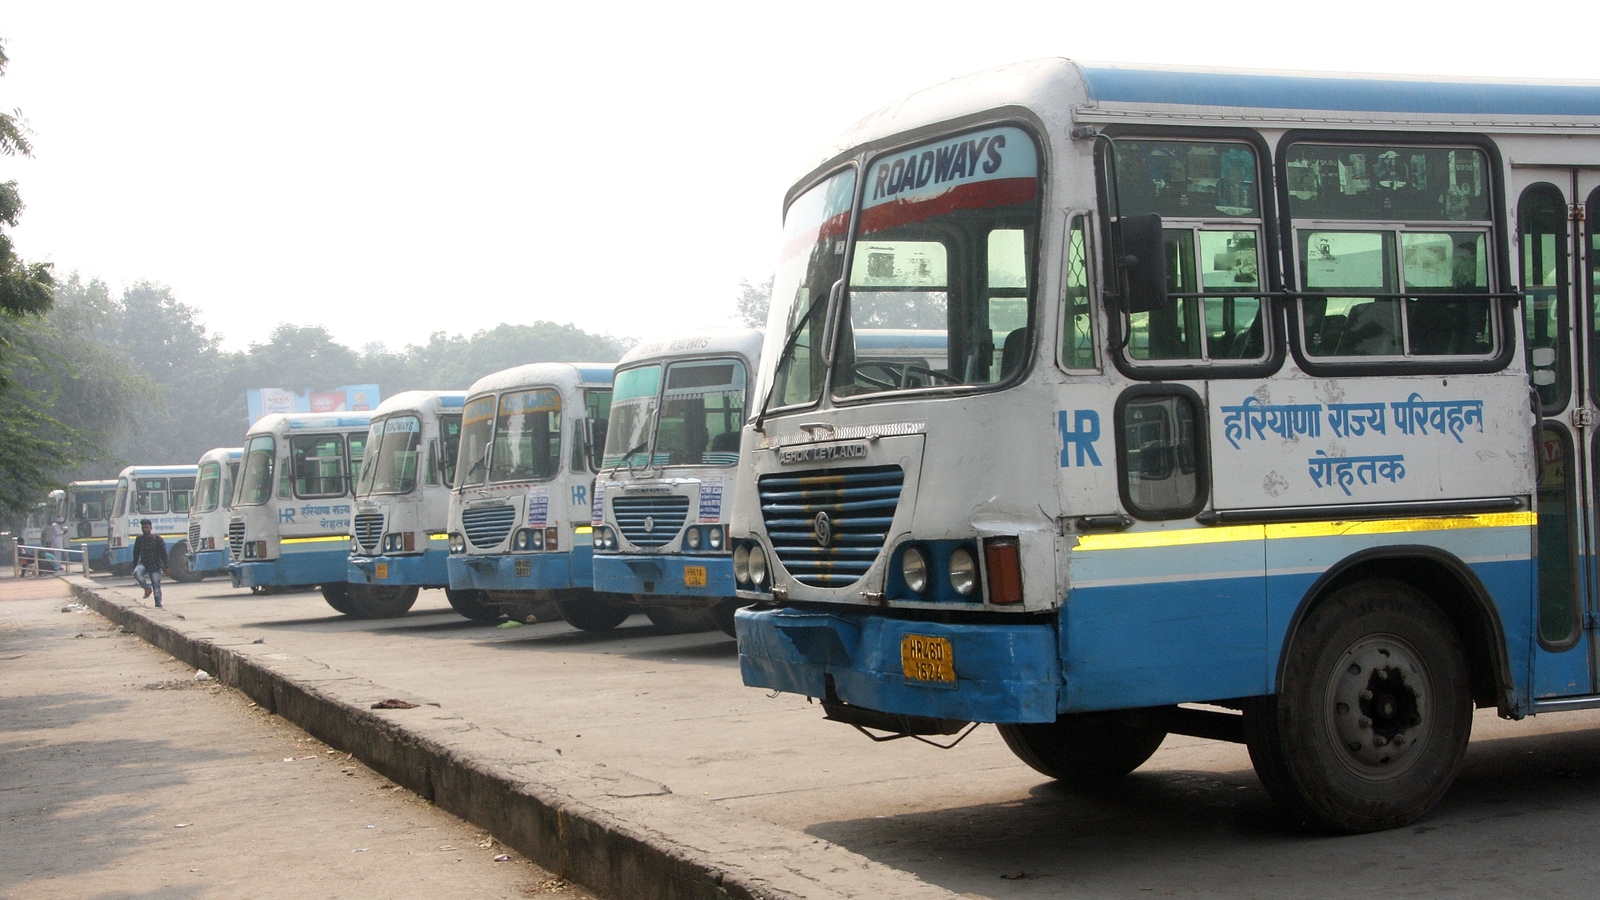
(149, 560)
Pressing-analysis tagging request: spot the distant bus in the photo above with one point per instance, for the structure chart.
(292, 505)
(85, 509)
(158, 493)
(398, 544)
(208, 516)
(666, 484)
(520, 539)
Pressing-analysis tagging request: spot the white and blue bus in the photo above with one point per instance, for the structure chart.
(208, 514)
(663, 497)
(158, 493)
(83, 507)
(519, 532)
(398, 543)
(292, 504)
(1233, 437)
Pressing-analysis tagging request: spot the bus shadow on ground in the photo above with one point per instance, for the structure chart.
(1218, 833)
(635, 639)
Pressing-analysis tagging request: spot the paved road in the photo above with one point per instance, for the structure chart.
(122, 775)
(1194, 821)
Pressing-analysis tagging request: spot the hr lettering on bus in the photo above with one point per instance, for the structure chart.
(286, 516)
(580, 495)
(1081, 437)
(952, 161)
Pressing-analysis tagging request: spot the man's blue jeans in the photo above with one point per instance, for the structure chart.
(153, 585)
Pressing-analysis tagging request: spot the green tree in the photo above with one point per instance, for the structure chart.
(753, 303)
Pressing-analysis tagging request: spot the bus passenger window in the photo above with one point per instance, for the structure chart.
(1077, 333)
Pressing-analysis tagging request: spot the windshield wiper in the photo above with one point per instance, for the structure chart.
(627, 456)
(482, 458)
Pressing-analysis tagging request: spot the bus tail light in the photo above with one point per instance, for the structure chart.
(1003, 559)
(411, 542)
(552, 537)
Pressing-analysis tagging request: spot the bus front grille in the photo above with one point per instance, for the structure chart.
(194, 537)
(650, 521)
(859, 507)
(236, 541)
(487, 526)
(368, 531)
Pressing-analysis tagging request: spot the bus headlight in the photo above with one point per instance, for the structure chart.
(355, 546)
(963, 572)
(757, 561)
(714, 537)
(528, 539)
(914, 569)
(691, 539)
(741, 564)
(458, 544)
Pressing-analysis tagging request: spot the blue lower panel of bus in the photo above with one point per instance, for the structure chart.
(209, 561)
(123, 556)
(425, 569)
(520, 572)
(1003, 673)
(96, 549)
(322, 563)
(675, 576)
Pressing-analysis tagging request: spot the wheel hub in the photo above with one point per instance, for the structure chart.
(1378, 702)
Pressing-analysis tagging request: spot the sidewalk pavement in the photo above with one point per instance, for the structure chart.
(617, 834)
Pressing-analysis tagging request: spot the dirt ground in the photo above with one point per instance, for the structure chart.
(126, 774)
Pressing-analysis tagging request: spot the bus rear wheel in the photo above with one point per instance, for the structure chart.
(671, 620)
(1371, 721)
(591, 613)
(338, 597)
(1082, 748)
(723, 612)
(473, 604)
(380, 601)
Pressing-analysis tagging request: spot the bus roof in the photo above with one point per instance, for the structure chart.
(411, 401)
(95, 485)
(745, 342)
(131, 471)
(221, 453)
(274, 422)
(553, 374)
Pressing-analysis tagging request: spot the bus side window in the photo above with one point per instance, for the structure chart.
(1077, 330)
(1159, 458)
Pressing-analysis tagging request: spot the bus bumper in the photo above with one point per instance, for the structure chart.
(671, 576)
(289, 570)
(209, 561)
(425, 570)
(518, 572)
(1004, 673)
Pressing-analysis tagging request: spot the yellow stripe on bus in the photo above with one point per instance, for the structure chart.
(1292, 530)
(315, 540)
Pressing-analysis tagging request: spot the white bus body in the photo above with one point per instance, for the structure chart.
(1234, 435)
(519, 528)
(158, 493)
(87, 504)
(208, 515)
(664, 495)
(290, 524)
(398, 543)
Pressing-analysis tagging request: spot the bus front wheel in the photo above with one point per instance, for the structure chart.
(473, 604)
(371, 601)
(590, 613)
(672, 620)
(1371, 721)
(338, 597)
(178, 564)
(1082, 748)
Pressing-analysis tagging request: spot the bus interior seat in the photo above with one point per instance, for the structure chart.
(1013, 352)
(724, 442)
(1370, 330)
(1327, 336)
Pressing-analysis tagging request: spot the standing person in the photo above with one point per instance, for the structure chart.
(149, 560)
(55, 537)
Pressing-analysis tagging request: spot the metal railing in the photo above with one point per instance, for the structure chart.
(46, 561)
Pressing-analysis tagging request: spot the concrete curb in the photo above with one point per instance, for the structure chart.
(619, 835)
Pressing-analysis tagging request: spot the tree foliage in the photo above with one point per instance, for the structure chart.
(753, 303)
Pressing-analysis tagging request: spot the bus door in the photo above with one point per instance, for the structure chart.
(1557, 209)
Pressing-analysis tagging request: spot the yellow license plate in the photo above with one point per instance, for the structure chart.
(694, 576)
(927, 658)
(383, 571)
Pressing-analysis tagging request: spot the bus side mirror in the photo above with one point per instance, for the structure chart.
(1143, 264)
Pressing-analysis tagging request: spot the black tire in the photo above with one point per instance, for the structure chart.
(338, 597)
(1082, 748)
(1372, 718)
(121, 571)
(722, 614)
(474, 605)
(671, 620)
(178, 564)
(380, 601)
(589, 612)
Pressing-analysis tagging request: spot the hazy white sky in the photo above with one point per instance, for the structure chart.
(388, 170)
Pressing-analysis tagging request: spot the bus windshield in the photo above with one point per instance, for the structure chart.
(477, 427)
(208, 487)
(393, 447)
(255, 482)
(633, 400)
(527, 436)
(701, 411)
(810, 262)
